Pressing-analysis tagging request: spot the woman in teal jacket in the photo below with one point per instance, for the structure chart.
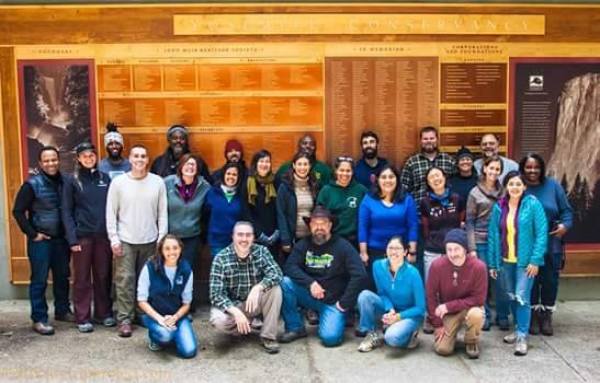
(399, 303)
(517, 240)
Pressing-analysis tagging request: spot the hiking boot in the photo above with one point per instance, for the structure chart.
(124, 330)
(66, 317)
(546, 323)
(312, 317)
(472, 350)
(290, 336)
(271, 346)
(521, 346)
(510, 338)
(43, 328)
(371, 342)
(85, 327)
(414, 341)
(535, 324)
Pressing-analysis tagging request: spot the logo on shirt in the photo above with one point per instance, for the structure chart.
(179, 280)
(352, 202)
(322, 261)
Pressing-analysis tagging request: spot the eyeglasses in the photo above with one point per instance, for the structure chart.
(345, 159)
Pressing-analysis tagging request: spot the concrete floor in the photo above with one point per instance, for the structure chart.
(572, 355)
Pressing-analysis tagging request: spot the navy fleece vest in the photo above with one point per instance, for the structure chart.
(163, 297)
(45, 210)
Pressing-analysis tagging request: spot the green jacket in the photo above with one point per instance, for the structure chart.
(343, 202)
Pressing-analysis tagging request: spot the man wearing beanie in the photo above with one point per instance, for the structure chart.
(466, 179)
(115, 164)
(166, 164)
(456, 292)
(234, 153)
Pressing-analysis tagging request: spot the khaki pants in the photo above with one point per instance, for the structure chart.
(127, 269)
(269, 305)
(472, 319)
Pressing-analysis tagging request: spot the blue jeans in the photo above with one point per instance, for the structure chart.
(370, 306)
(545, 286)
(518, 286)
(331, 320)
(502, 303)
(183, 337)
(52, 254)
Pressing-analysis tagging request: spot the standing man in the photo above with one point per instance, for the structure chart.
(115, 164)
(324, 274)
(370, 164)
(244, 284)
(466, 178)
(37, 212)
(166, 164)
(234, 153)
(136, 218)
(456, 291)
(320, 169)
(416, 167)
(490, 146)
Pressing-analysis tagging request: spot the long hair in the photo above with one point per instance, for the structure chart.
(431, 169)
(288, 177)
(185, 158)
(157, 259)
(228, 166)
(486, 162)
(398, 195)
(263, 153)
(77, 170)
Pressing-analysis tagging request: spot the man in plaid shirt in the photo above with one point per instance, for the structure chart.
(244, 284)
(414, 170)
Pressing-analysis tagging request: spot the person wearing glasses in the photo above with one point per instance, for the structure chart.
(490, 147)
(456, 290)
(342, 198)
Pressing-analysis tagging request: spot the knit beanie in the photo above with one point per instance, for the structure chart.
(458, 236)
(464, 152)
(234, 145)
(112, 135)
(177, 128)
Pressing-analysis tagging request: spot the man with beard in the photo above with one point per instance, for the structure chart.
(324, 274)
(244, 284)
(369, 165)
(490, 146)
(115, 164)
(166, 164)
(416, 167)
(234, 153)
(320, 169)
(37, 212)
(136, 218)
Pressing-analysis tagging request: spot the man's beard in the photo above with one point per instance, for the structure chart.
(319, 238)
(429, 148)
(178, 150)
(115, 155)
(370, 153)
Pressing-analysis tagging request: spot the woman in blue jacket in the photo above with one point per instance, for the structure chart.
(560, 219)
(399, 303)
(186, 192)
(164, 294)
(517, 240)
(83, 214)
(224, 206)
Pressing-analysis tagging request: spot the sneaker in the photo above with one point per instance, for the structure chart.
(312, 317)
(66, 317)
(109, 322)
(414, 341)
(154, 346)
(271, 346)
(472, 350)
(504, 324)
(486, 325)
(256, 323)
(290, 336)
(371, 342)
(521, 346)
(510, 338)
(43, 328)
(125, 330)
(85, 327)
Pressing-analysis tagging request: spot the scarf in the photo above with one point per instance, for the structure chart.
(443, 199)
(229, 192)
(187, 191)
(266, 183)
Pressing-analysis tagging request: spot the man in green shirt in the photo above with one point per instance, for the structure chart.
(320, 169)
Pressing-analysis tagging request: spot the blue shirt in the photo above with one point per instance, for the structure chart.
(113, 170)
(377, 223)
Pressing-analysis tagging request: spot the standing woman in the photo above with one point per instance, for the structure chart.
(517, 241)
(164, 294)
(186, 192)
(560, 219)
(342, 197)
(440, 212)
(83, 213)
(261, 201)
(295, 200)
(224, 206)
(399, 303)
(386, 212)
(480, 202)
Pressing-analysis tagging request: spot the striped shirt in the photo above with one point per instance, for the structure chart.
(232, 278)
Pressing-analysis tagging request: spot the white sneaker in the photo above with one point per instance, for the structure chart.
(371, 342)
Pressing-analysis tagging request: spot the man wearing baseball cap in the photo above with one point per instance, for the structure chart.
(456, 292)
(324, 274)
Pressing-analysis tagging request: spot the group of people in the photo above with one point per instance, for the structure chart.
(431, 245)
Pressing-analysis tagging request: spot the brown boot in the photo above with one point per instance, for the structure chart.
(546, 323)
(534, 326)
